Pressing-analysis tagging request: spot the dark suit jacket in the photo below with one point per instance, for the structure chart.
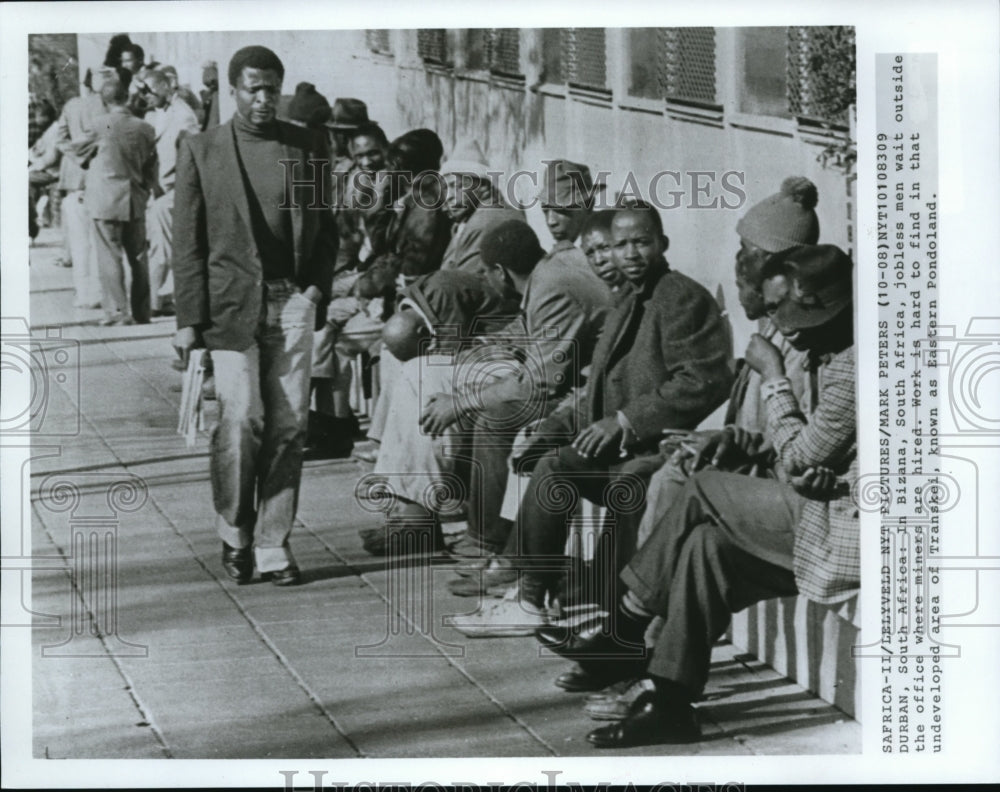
(124, 170)
(217, 268)
(666, 368)
(672, 370)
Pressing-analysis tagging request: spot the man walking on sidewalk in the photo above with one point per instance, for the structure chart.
(122, 174)
(253, 255)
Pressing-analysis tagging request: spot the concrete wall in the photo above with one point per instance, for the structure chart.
(806, 642)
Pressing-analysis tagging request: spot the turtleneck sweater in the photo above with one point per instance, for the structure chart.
(260, 153)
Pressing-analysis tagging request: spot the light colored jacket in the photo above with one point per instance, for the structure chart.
(168, 123)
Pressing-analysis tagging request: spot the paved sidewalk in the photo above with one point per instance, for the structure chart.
(144, 649)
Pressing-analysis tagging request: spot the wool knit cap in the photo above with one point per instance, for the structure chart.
(308, 105)
(513, 245)
(467, 157)
(785, 219)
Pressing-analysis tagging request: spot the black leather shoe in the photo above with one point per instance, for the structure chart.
(592, 640)
(649, 722)
(583, 680)
(284, 577)
(238, 562)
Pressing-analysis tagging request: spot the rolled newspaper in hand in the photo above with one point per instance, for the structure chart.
(191, 417)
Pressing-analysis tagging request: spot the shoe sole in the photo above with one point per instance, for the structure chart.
(606, 716)
(498, 632)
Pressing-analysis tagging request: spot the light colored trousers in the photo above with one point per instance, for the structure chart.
(79, 231)
(416, 466)
(256, 452)
(159, 226)
(116, 240)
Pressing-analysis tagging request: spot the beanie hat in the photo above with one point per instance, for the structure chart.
(308, 105)
(513, 245)
(785, 219)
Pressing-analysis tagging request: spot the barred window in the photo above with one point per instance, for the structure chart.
(761, 66)
(378, 41)
(576, 56)
(586, 57)
(821, 71)
(497, 50)
(672, 63)
(505, 51)
(432, 45)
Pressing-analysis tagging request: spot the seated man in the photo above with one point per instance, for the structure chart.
(662, 362)
(567, 199)
(778, 223)
(515, 378)
(360, 216)
(418, 229)
(596, 242)
(473, 205)
(731, 540)
(438, 314)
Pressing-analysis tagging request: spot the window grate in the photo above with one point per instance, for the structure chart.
(378, 41)
(821, 72)
(687, 63)
(505, 51)
(432, 45)
(584, 57)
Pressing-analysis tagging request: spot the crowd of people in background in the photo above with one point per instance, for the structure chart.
(101, 169)
(515, 381)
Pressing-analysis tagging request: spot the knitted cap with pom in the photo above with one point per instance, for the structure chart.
(785, 219)
(308, 105)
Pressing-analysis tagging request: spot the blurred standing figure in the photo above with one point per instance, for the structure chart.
(210, 96)
(77, 140)
(171, 118)
(121, 177)
(183, 92)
